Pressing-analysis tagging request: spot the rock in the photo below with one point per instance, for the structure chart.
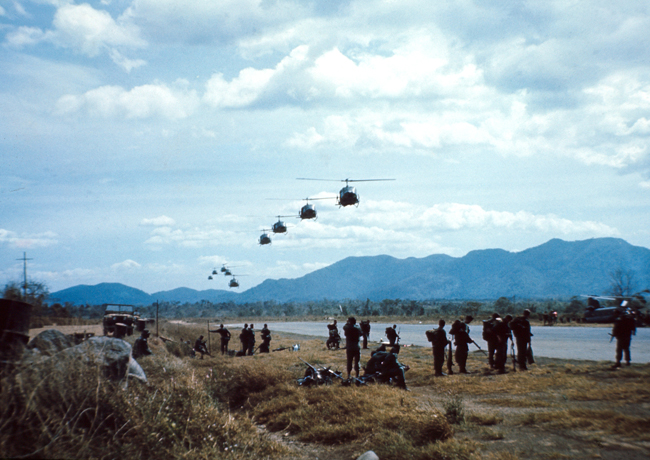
(50, 342)
(370, 455)
(113, 355)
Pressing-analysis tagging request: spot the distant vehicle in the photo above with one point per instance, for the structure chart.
(348, 195)
(119, 319)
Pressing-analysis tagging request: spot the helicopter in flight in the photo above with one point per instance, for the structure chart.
(264, 238)
(279, 226)
(233, 283)
(308, 211)
(348, 195)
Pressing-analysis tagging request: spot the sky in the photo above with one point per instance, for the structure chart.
(148, 142)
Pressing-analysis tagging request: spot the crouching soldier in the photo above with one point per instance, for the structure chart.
(141, 345)
(200, 347)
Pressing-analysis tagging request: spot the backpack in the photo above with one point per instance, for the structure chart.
(518, 327)
(437, 337)
(488, 330)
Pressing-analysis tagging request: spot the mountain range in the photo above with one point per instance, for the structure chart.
(556, 269)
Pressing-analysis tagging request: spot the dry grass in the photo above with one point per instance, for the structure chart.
(607, 421)
(223, 407)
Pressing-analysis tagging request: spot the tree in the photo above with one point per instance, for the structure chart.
(36, 295)
(622, 282)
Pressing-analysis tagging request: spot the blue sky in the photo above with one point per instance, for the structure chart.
(148, 141)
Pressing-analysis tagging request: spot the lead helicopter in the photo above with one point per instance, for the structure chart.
(348, 195)
(233, 283)
(265, 238)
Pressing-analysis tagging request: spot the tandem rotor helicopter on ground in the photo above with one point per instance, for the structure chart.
(620, 305)
(348, 195)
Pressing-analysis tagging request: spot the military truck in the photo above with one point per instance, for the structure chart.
(119, 319)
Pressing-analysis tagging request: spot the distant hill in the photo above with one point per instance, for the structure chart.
(556, 269)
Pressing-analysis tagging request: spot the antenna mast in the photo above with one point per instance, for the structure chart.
(24, 259)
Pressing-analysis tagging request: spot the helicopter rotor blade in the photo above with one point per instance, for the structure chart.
(344, 180)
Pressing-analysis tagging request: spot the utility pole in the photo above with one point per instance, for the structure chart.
(24, 259)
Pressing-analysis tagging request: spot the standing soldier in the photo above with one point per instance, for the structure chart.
(243, 338)
(225, 338)
(352, 333)
(490, 337)
(520, 327)
(251, 340)
(392, 335)
(502, 332)
(624, 327)
(462, 341)
(266, 339)
(365, 328)
(439, 342)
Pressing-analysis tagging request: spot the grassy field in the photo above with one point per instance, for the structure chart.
(251, 407)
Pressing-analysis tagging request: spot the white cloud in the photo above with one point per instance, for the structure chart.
(240, 92)
(160, 221)
(27, 240)
(128, 264)
(91, 31)
(24, 36)
(140, 102)
(125, 63)
(86, 30)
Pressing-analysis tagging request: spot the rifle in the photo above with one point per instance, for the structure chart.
(281, 348)
(314, 370)
(450, 361)
(514, 357)
(479, 348)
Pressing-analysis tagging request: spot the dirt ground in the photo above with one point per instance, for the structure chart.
(504, 424)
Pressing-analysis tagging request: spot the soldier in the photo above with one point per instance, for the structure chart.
(520, 327)
(141, 345)
(352, 333)
(365, 328)
(334, 338)
(266, 339)
(225, 338)
(251, 340)
(502, 332)
(490, 337)
(439, 342)
(462, 341)
(200, 347)
(243, 338)
(624, 327)
(392, 335)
